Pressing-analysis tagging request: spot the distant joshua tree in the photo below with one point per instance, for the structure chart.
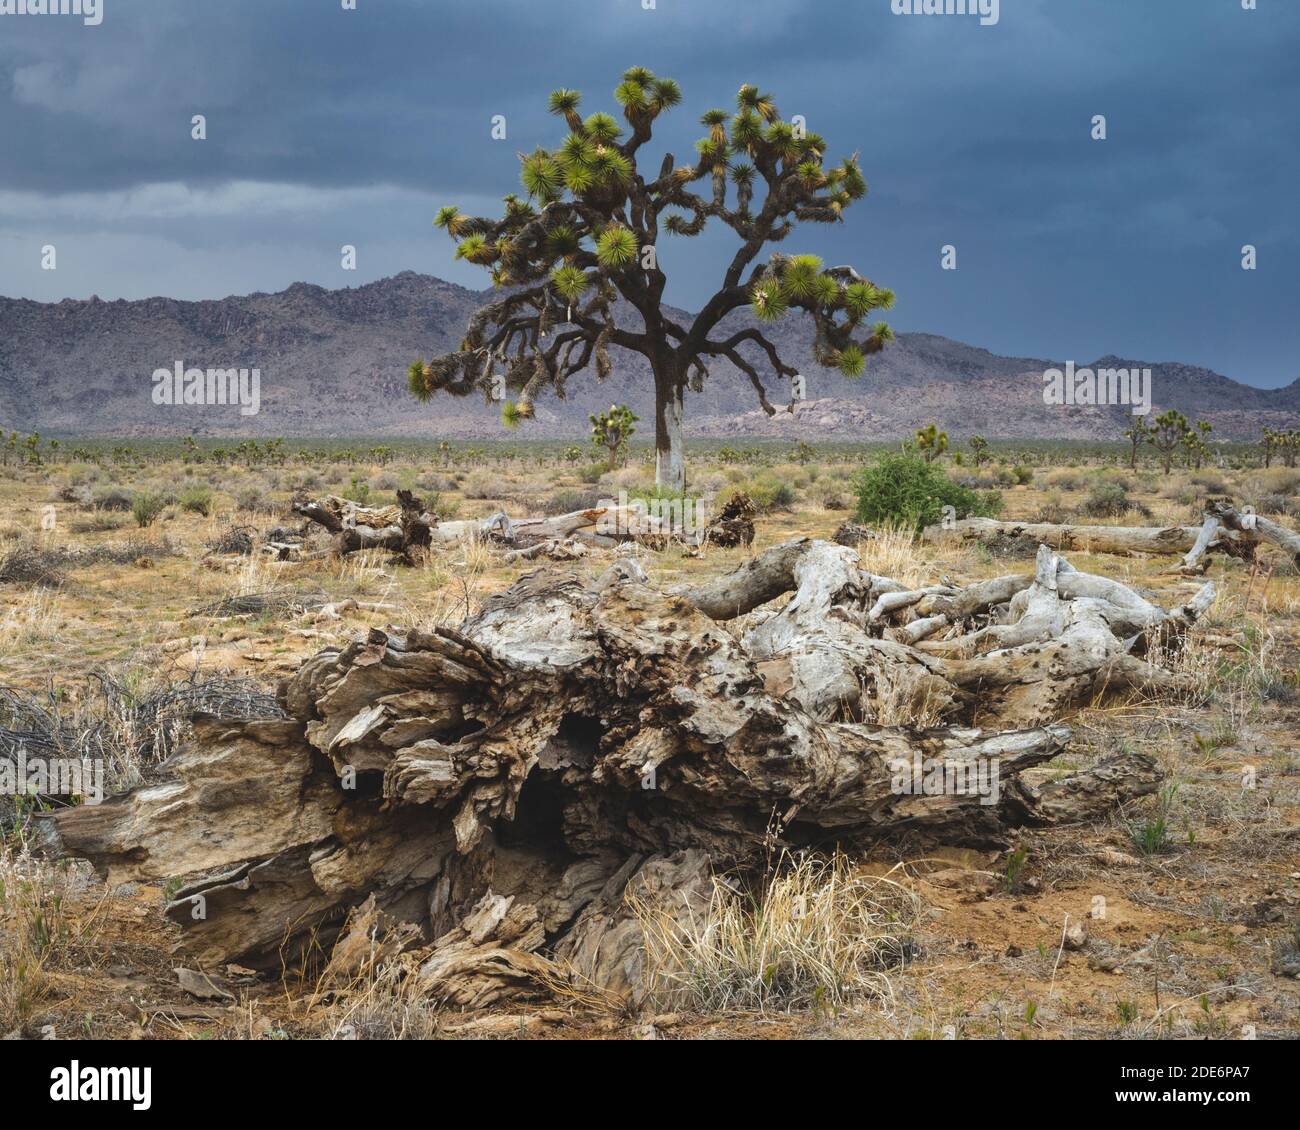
(931, 442)
(1284, 443)
(588, 235)
(611, 430)
(1167, 433)
(1197, 449)
(979, 449)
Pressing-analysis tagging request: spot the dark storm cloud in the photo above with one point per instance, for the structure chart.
(328, 125)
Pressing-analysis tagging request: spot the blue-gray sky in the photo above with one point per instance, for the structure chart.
(329, 126)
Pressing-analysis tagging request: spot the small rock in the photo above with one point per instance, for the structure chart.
(1076, 935)
(1113, 858)
(201, 986)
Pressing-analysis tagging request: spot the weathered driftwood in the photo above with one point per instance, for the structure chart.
(505, 787)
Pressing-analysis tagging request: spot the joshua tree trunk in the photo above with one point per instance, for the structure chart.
(670, 446)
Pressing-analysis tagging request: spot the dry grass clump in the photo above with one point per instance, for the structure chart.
(37, 932)
(29, 619)
(386, 1003)
(818, 935)
(896, 553)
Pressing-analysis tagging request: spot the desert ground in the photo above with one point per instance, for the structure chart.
(1190, 898)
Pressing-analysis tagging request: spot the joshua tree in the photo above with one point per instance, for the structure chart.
(979, 449)
(611, 430)
(1279, 442)
(588, 234)
(1137, 434)
(1197, 449)
(1167, 434)
(931, 442)
(1290, 446)
(1272, 441)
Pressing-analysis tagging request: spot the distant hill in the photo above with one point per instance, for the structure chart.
(333, 362)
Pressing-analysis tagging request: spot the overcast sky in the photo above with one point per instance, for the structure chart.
(329, 127)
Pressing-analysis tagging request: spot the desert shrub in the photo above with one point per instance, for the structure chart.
(771, 493)
(237, 539)
(592, 472)
(129, 552)
(1287, 506)
(566, 501)
(1065, 480)
(1211, 482)
(1022, 474)
(112, 498)
(907, 492)
(146, 507)
(480, 484)
(432, 482)
(96, 524)
(1106, 499)
(358, 491)
(197, 499)
(441, 506)
(255, 500)
(80, 495)
(990, 504)
(1053, 510)
(29, 564)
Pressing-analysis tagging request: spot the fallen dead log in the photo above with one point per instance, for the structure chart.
(409, 525)
(1122, 540)
(400, 528)
(1251, 525)
(515, 787)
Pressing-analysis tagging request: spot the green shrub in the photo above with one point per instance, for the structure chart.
(197, 500)
(567, 501)
(146, 507)
(442, 506)
(1107, 499)
(770, 493)
(907, 492)
(358, 491)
